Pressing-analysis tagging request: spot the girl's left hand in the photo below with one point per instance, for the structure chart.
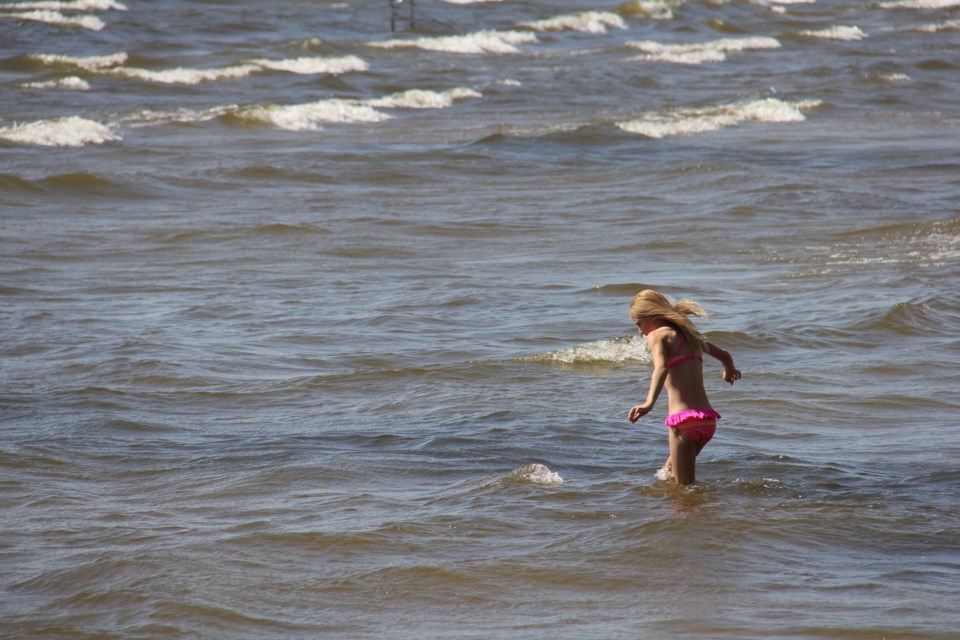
(638, 411)
(731, 375)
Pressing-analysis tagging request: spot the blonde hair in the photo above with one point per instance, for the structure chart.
(653, 304)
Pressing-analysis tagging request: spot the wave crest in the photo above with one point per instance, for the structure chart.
(614, 351)
(479, 42)
(705, 119)
(72, 131)
(586, 21)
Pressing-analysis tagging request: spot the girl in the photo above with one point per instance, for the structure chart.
(677, 348)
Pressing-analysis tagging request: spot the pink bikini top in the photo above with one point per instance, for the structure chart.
(677, 359)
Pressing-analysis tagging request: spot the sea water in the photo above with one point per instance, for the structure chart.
(315, 329)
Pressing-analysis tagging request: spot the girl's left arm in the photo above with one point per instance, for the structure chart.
(730, 373)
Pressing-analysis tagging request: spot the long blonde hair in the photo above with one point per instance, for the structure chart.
(653, 304)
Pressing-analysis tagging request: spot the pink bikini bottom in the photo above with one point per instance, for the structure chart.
(695, 424)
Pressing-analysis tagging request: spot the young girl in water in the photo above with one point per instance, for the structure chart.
(677, 349)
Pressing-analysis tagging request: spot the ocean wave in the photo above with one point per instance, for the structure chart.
(69, 5)
(688, 121)
(479, 42)
(937, 27)
(185, 76)
(113, 65)
(586, 22)
(315, 66)
(699, 53)
(72, 83)
(625, 290)
(836, 33)
(916, 318)
(89, 63)
(310, 116)
(652, 9)
(613, 351)
(149, 117)
(72, 131)
(920, 4)
(421, 99)
(56, 18)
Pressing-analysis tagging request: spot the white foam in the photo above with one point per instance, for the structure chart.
(90, 63)
(701, 120)
(836, 33)
(949, 25)
(615, 351)
(313, 66)
(479, 42)
(700, 53)
(921, 4)
(894, 77)
(56, 18)
(74, 5)
(311, 116)
(70, 82)
(113, 65)
(181, 75)
(420, 99)
(537, 474)
(148, 117)
(586, 21)
(59, 132)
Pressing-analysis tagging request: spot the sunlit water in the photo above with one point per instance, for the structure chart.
(314, 329)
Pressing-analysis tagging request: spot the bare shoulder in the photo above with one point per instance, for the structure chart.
(661, 337)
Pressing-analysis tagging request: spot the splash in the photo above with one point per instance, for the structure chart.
(536, 473)
(615, 351)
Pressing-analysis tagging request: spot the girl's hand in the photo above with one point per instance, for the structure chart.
(637, 411)
(731, 374)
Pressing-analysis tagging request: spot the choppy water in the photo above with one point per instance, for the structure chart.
(315, 330)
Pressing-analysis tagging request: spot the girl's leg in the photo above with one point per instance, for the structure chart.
(683, 455)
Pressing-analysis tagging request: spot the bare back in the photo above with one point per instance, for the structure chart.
(684, 379)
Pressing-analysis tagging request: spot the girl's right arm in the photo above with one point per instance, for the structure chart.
(730, 373)
(657, 378)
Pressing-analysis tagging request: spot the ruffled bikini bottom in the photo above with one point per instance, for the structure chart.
(696, 424)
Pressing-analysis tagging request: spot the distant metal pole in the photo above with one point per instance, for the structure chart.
(396, 6)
